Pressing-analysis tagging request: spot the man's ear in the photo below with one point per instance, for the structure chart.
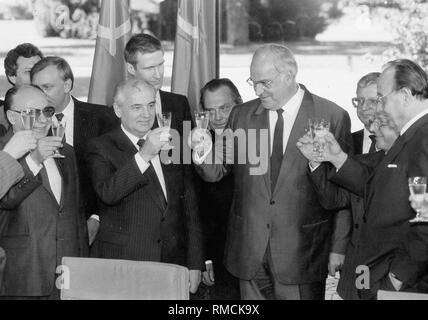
(131, 69)
(12, 79)
(407, 96)
(11, 117)
(68, 85)
(117, 110)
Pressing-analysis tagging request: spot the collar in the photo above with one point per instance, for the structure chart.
(293, 105)
(367, 133)
(134, 139)
(412, 121)
(69, 109)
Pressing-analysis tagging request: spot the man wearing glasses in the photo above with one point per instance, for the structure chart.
(42, 217)
(394, 250)
(278, 239)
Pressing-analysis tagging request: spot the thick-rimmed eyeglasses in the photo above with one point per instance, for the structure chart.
(265, 83)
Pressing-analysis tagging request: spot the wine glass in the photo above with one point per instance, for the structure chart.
(58, 130)
(417, 187)
(28, 118)
(202, 121)
(318, 128)
(164, 121)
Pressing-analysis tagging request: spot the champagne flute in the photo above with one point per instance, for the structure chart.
(28, 118)
(202, 121)
(164, 121)
(318, 128)
(58, 130)
(417, 187)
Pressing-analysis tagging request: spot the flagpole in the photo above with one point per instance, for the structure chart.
(217, 36)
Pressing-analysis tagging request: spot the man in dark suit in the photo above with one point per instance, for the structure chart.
(279, 235)
(365, 103)
(149, 210)
(218, 97)
(395, 251)
(17, 66)
(41, 218)
(144, 56)
(84, 122)
(332, 197)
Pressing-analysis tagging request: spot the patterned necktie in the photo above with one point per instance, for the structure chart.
(277, 150)
(373, 145)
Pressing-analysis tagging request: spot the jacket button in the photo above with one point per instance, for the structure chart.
(356, 226)
(163, 220)
(159, 241)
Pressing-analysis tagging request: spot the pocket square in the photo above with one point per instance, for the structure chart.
(392, 166)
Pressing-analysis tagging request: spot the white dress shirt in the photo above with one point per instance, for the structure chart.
(367, 142)
(54, 177)
(413, 121)
(291, 109)
(143, 165)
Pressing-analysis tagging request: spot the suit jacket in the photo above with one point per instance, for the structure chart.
(136, 222)
(387, 242)
(333, 197)
(90, 121)
(358, 140)
(36, 231)
(290, 218)
(10, 172)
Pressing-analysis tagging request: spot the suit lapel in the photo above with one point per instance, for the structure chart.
(260, 121)
(125, 145)
(305, 112)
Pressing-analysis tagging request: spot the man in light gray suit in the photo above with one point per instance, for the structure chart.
(278, 235)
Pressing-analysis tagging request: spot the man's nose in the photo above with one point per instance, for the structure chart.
(259, 88)
(157, 72)
(218, 115)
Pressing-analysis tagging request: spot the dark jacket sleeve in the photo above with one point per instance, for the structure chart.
(195, 248)
(10, 172)
(18, 193)
(112, 184)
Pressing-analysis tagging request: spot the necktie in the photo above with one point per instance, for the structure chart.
(59, 116)
(140, 143)
(373, 145)
(277, 150)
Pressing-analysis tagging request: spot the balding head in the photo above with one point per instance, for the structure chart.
(135, 105)
(273, 75)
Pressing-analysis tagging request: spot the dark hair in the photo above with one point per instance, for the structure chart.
(216, 84)
(410, 75)
(368, 79)
(61, 64)
(142, 43)
(26, 50)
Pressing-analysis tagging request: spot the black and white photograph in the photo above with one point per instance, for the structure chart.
(226, 153)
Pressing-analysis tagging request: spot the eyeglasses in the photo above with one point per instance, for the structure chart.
(265, 83)
(382, 99)
(358, 102)
(223, 110)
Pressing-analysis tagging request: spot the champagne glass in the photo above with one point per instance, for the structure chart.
(202, 122)
(164, 121)
(417, 187)
(58, 130)
(28, 118)
(318, 128)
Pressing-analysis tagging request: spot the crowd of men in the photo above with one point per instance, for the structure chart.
(252, 216)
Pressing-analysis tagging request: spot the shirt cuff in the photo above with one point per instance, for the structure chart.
(141, 163)
(34, 167)
(95, 217)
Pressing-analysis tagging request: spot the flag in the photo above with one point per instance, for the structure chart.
(195, 60)
(109, 68)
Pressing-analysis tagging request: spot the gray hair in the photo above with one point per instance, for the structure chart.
(367, 80)
(128, 85)
(283, 57)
